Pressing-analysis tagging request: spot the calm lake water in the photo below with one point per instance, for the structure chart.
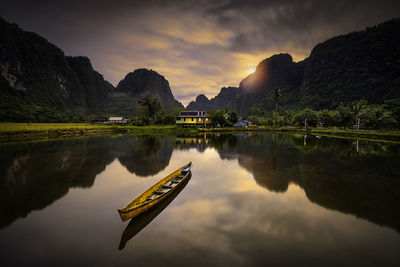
(252, 200)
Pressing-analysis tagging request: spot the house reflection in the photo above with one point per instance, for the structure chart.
(200, 142)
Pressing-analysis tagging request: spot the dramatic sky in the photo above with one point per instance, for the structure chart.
(198, 45)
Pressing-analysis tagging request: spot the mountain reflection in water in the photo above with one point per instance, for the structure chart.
(359, 178)
(34, 175)
(331, 171)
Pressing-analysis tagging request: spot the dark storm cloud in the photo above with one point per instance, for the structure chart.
(199, 46)
(266, 24)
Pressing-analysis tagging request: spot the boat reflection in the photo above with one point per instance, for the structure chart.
(141, 221)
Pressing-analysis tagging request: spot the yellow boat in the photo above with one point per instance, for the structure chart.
(155, 194)
(143, 219)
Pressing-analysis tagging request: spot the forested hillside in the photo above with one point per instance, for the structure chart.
(38, 82)
(347, 68)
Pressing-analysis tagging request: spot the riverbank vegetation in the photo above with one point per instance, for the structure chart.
(360, 113)
(22, 131)
(355, 115)
(355, 120)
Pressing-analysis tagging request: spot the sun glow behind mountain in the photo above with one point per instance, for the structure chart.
(251, 70)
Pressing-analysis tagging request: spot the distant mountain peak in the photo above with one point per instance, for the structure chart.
(201, 98)
(142, 82)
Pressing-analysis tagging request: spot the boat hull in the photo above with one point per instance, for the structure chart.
(131, 211)
(142, 220)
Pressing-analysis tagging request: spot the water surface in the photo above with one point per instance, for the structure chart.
(252, 200)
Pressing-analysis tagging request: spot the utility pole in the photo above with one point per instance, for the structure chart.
(358, 124)
(305, 123)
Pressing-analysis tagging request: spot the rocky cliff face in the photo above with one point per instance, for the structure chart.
(95, 89)
(35, 71)
(359, 65)
(145, 82)
(255, 90)
(221, 101)
(201, 103)
(276, 71)
(36, 78)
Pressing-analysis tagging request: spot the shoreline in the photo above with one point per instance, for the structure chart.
(391, 136)
(40, 131)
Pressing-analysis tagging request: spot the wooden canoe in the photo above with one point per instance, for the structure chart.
(142, 220)
(155, 194)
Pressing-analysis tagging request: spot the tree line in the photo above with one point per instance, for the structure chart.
(150, 112)
(385, 116)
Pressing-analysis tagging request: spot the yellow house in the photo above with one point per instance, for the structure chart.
(193, 118)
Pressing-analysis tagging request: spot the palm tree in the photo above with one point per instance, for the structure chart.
(358, 108)
(277, 97)
(152, 105)
(377, 116)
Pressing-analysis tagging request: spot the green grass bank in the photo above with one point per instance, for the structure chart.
(22, 131)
